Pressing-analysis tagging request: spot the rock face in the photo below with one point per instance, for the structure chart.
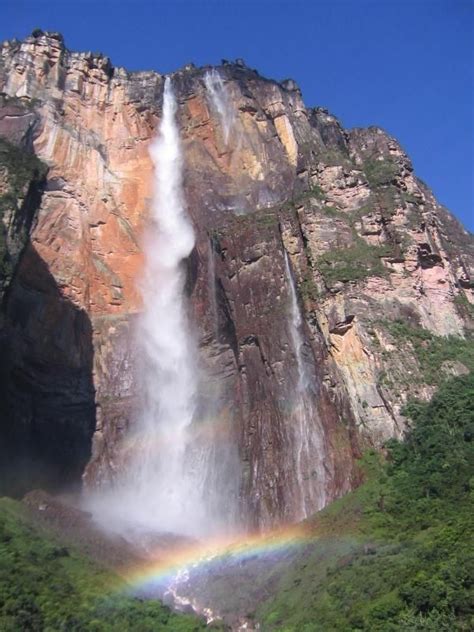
(366, 240)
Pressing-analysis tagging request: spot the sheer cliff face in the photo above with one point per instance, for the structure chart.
(367, 244)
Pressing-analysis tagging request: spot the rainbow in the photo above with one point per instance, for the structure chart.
(164, 566)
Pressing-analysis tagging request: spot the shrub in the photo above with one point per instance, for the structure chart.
(353, 263)
(44, 586)
(408, 565)
(432, 351)
(380, 172)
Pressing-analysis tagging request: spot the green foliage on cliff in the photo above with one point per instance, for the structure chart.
(353, 263)
(21, 165)
(18, 169)
(26, 103)
(396, 555)
(47, 587)
(465, 308)
(308, 288)
(380, 172)
(432, 351)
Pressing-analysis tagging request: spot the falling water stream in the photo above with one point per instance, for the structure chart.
(306, 431)
(160, 487)
(231, 140)
(221, 102)
(176, 478)
(165, 490)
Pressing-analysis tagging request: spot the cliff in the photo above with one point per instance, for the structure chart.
(381, 270)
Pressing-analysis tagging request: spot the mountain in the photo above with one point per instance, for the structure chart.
(320, 260)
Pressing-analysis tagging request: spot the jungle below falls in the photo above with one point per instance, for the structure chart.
(396, 554)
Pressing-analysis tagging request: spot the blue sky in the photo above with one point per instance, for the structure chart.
(404, 65)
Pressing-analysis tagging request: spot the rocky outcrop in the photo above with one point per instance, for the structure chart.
(21, 183)
(367, 243)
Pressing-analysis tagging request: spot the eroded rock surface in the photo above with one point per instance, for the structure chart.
(367, 243)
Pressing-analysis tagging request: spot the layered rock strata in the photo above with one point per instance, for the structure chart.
(367, 242)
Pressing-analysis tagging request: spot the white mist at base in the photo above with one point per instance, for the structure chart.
(162, 484)
(159, 489)
(307, 433)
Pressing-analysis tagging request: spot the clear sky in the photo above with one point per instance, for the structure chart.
(405, 65)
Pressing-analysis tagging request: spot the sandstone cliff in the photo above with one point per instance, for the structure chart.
(369, 248)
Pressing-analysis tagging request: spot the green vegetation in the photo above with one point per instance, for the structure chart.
(26, 103)
(387, 197)
(307, 287)
(315, 191)
(388, 200)
(432, 351)
(334, 157)
(332, 211)
(22, 166)
(380, 172)
(409, 198)
(353, 263)
(45, 587)
(464, 306)
(19, 169)
(395, 555)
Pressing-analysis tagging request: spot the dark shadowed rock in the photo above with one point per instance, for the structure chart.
(367, 243)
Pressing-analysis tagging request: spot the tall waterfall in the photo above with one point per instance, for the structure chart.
(162, 480)
(161, 485)
(179, 470)
(307, 434)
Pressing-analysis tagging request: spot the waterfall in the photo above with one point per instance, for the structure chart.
(178, 470)
(234, 139)
(160, 486)
(307, 433)
(296, 325)
(220, 101)
(168, 355)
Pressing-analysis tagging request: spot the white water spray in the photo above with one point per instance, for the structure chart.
(234, 138)
(158, 489)
(307, 431)
(179, 470)
(220, 101)
(295, 330)
(162, 479)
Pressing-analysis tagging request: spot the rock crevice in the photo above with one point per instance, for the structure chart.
(367, 241)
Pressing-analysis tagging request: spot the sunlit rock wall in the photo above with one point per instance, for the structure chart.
(367, 242)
